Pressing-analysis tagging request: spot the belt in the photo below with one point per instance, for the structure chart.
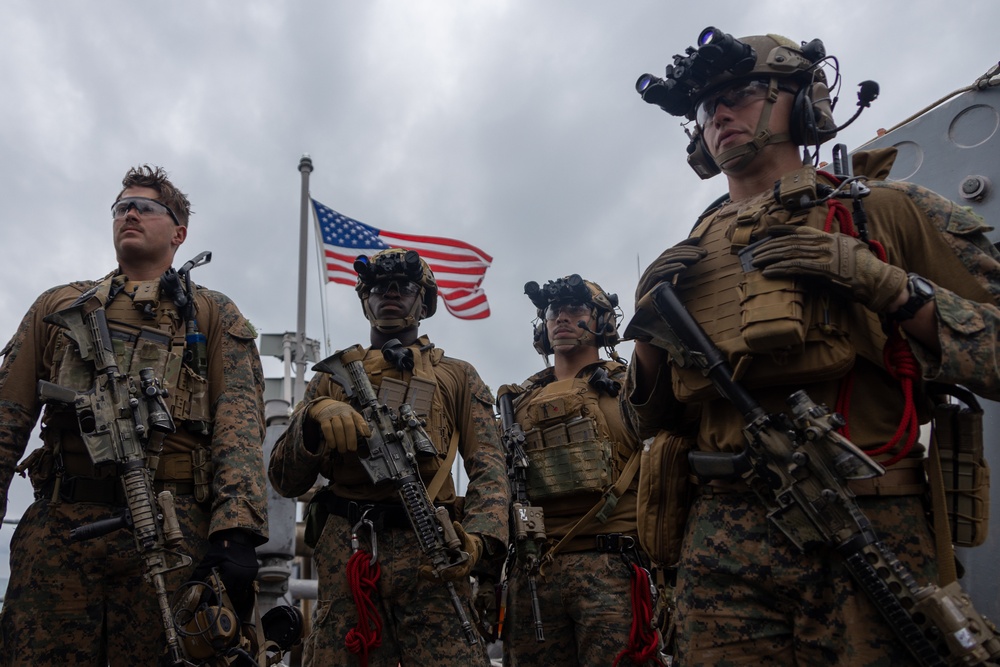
(106, 491)
(607, 543)
(383, 515)
(905, 478)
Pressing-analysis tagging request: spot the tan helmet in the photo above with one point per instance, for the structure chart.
(396, 264)
(718, 61)
(573, 288)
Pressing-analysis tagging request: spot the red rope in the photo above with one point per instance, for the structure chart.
(897, 357)
(901, 364)
(643, 642)
(362, 577)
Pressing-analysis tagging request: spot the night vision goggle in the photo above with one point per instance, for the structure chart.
(717, 52)
(571, 289)
(400, 266)
(719, 57)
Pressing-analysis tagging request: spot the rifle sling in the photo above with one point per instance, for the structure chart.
(442, 473)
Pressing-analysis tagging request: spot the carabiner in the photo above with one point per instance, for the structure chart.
(372, 539)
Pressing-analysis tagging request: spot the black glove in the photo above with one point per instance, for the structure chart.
(231, 552)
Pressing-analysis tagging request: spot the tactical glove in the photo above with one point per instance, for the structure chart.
(471, 545)
(670, 262)
(340, 423)
(838, 259)
(231, 552)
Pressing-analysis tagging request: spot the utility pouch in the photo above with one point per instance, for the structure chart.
(772, 312)
(664, 495)
(38, 466)
(958, 430)
(201, 471)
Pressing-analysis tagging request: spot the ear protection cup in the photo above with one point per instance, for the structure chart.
(812, 115)
(607, 328)
(699, 159)
(540, 338)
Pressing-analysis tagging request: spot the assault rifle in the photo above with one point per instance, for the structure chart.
(397, 440)
(799, 466)
(527, 521)
(121, 423)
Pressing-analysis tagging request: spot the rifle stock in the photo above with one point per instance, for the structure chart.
(798, 466)
(390, 457)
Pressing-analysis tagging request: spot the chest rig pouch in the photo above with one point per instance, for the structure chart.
(567, 442)
(772, 330)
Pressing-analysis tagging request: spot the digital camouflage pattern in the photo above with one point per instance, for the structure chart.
(585, 610)
(466, 406)
(584, 595)
(922, 233)
(86, 603)
(238, 497)
(968, 310)
(741, 585)
(419, 623)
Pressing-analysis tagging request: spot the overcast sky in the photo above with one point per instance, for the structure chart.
(512, 125)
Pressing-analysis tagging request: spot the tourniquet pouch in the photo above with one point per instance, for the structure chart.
(958, 430)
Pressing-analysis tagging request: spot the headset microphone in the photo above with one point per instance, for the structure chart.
(605, 330)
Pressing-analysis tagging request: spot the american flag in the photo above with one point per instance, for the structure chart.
(458, 267)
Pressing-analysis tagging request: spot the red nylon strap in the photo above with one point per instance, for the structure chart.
(362, 578)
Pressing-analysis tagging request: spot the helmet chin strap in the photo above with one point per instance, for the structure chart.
(586, 339)
(762, 136)
(395, 325)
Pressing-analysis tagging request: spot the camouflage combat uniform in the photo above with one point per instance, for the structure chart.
(584, 593)
(745, 594)
(87, 603)
(420, 625)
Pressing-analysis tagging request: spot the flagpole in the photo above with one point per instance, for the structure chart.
(305, 168)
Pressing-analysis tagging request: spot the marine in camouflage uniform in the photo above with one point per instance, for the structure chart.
(419, 623)
(745, 594)
(87, 602)
(578, 447)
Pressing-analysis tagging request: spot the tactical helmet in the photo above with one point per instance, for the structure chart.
(721, 60)
(573, 288)
(396, 264)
